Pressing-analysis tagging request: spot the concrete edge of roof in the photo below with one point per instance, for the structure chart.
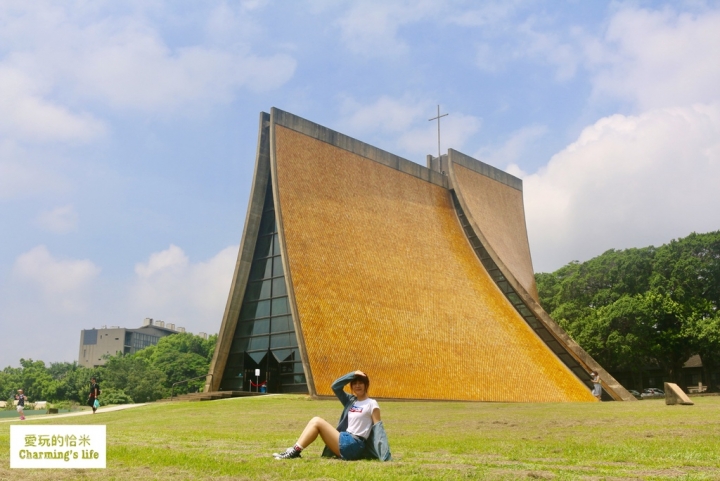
(487, 170)
(350, 144)
(342, 141)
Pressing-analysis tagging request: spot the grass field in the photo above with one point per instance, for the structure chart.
(234, 439)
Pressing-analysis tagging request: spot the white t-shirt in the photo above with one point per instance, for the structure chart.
(360, 417)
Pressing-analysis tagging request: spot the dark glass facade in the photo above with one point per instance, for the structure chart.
(265, 335)
(134, 341)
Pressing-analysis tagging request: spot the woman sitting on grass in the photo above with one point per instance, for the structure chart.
(359, 428)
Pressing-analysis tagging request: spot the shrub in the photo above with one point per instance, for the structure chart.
(114, 396)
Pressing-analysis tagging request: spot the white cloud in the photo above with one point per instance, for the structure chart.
(512, 149)
(550, 48)
(505, 32)
(488, 58)
(22, 175)
(488, 14)
(386, 113)
(138, 71)
(44, 291)
(404, 123)
(124, 61)
(168, 286)
(370, 28)
(658, 58)
(59, 220)
(26, 115)
(628, 181)
(455, 129)
(63, 283)
(228, 22)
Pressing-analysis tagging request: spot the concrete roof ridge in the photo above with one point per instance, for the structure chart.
(345, 142)
(485, 169)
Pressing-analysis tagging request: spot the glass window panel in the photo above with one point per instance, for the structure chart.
(258, 343)
(248, 311)
(524, 311)
(263, 248)
(244, 329)
(277, 266)
(514, 298)
(265, 289)
(283, 323)
(278, 287)
(261, 269)
(276, 245)
(231, 371)
(268, 204)
(280, 306)
(235, 360)
(267, 224)
(263, 309)
(291, 367)
(258, 290)
(280, 340)
(239, 345)
(252, 310)
(292, 379)
(283, 355)
(257, 356)
(261, 327)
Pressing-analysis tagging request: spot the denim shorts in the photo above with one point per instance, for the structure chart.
(350, 447)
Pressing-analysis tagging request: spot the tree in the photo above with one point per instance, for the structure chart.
(144, 376)
(687, 271)
(135, 376)
(181, 357)
(635, 307)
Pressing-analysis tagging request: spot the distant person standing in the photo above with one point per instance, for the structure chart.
(94, 395)
(21, 404)
(597, 387)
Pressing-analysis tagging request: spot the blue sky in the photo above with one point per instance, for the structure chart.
(128, 133)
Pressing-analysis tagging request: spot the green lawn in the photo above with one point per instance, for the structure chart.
(234, 439)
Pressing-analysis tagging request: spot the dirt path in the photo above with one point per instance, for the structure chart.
(119, 407)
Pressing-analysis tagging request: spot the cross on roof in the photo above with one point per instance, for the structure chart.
(438, 120)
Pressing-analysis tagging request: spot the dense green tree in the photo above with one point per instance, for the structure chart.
(144, 376)
(688, 272)
(72, 381)
(181, 357)
(37, 382)
(112, 395)
(10, 382)
(636, 307)
(134, 375)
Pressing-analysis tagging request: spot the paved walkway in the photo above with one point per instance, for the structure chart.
(119, 407)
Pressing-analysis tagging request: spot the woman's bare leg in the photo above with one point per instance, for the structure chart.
(328, 433)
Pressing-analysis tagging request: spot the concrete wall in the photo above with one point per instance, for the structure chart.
(109, 342)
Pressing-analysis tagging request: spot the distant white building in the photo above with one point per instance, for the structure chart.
(96, 343)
